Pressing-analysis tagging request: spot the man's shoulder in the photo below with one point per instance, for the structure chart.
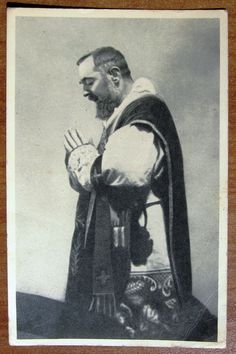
(146, 101)
(147, 107)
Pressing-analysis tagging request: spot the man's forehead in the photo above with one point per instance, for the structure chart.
(87, 68)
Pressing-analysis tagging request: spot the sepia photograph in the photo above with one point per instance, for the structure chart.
(117, 135)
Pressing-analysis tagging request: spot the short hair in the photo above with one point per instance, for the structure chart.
(106, 58)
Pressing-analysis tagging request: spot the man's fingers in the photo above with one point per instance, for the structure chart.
(80, 136)
(70, 141)
(73, 136)
(67, 146)
(73, 139)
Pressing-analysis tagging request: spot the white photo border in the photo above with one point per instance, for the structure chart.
(223, 192)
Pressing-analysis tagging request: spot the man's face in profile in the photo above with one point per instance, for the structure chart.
(99, 87)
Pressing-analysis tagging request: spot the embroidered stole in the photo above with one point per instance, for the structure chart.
(111, 261)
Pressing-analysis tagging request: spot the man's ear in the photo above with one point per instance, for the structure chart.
(115, 74)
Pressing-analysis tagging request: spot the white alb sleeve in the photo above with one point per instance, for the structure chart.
(129, 157)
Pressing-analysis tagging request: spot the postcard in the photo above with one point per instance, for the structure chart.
(117, 158)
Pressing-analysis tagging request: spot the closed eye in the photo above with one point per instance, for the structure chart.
(87, 81)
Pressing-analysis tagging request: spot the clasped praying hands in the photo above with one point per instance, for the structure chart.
(73, 139)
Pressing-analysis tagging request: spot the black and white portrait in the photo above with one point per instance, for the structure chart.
(117, 177)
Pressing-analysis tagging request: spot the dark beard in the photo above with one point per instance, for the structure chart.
(105, 108)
